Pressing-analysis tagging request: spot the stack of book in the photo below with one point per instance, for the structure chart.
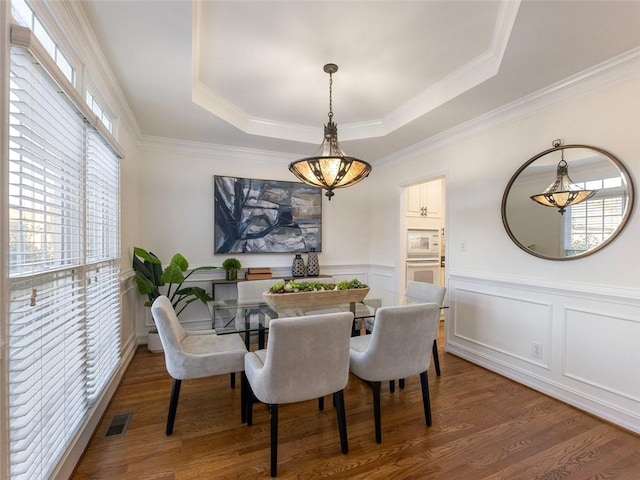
(258, 273)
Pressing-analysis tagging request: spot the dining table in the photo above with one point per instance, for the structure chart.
(251, 317)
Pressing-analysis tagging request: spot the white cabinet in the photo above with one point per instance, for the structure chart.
(425, 200)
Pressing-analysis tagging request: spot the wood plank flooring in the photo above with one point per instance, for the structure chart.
(484, 427)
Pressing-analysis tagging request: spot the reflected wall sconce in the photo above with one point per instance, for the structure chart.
(562, 193)
(330, 167)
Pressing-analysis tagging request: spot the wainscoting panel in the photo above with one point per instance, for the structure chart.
(578, 344)
(598, 346)
(504, 324)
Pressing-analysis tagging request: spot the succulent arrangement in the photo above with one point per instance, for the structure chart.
(294, 286)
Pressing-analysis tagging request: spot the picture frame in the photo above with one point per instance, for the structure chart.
(266, 216)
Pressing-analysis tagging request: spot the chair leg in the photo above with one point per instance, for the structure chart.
(274, 439)
(425, 398)
(321, 403)
(243, 397)
(392, 386)
(232, 379)
(436, 358)
(250, 398)
(338, 399)
(401, 382)
(376, 410)
(173, 405)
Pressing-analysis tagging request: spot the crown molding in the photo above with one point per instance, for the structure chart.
(465, 78)
(150, 143)
(613, 71)
(483, 67)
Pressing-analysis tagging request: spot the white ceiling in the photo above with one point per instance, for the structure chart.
(249, 73)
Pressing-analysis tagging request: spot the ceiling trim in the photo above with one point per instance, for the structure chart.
(151, 143)
(468, 76)
(465, 78)
(613, 71)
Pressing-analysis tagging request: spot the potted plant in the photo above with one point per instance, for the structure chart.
(150, 277)
(231, 266)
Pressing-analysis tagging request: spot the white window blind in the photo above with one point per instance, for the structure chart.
(64, 311)
(589, 223)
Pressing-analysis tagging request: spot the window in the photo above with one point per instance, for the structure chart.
(25, 15)
(64, 309)
(589, 223)
(99, 111)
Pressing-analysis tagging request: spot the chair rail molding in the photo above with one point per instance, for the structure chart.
(559, 340)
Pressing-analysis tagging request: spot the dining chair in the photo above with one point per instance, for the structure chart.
(306, 358)
(422, 292)
(195, 354)
(398, 347)
(249, 291)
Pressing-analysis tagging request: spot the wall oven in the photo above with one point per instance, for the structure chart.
(424, 270)
(423, 256)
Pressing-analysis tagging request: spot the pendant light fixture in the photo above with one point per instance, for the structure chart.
(562, 193)
(330, 167)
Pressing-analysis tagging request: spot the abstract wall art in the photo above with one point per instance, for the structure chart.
(266, 216)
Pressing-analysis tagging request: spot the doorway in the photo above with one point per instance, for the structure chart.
(423, 233)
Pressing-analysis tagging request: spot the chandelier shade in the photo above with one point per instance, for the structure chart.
(330, 167)
(563, 193)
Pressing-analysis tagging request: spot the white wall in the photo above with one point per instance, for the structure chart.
(585, 313)
(175, 195)
(176, 206)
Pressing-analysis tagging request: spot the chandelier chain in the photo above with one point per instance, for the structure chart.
(330, 96)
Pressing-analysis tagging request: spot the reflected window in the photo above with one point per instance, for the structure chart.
(590, 223)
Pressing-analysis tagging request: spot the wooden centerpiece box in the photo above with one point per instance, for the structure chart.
(314, 299)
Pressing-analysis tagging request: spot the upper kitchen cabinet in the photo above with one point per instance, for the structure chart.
(425, 200)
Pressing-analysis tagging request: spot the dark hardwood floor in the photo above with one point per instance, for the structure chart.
(484, 427)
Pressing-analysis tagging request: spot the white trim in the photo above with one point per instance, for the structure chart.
(71, 19)
(465, 78)
(24, 37)
(615, 70)
(591, 395)
(224, 152)
(478, 70)
(627, 296)
(5, 20)
(579, 399)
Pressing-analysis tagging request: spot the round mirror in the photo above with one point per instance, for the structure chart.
(567, 202)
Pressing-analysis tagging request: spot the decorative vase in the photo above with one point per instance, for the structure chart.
(297, 269)
(313, 267)
(232, 274)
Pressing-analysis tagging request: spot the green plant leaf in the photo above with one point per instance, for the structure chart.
(179, 261)
(172, 274)
(200, 293)
(147, 256)
(145, 287)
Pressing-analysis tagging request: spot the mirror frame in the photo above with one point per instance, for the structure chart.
(624, 173)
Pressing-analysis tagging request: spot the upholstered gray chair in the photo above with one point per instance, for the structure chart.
(249, 291)
(306, 358)
(194, 354)
(398, 347)
(422, 292)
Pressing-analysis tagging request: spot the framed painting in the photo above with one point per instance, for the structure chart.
(266, 216)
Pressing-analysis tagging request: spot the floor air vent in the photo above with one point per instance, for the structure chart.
(118, 425)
